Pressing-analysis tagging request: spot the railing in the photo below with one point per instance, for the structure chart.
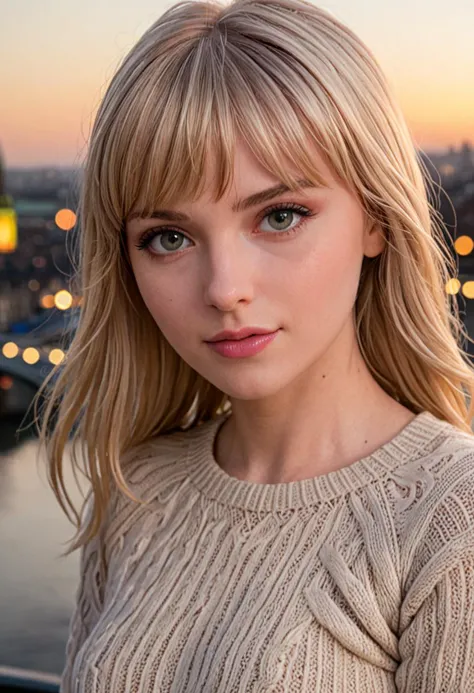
(52, 328)
(34, 374)
(13, 680)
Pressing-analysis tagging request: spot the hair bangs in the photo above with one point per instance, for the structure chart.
(177, 133)
(272, 122)
(169, 142)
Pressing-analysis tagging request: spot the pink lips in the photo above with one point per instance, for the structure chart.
(240, 348)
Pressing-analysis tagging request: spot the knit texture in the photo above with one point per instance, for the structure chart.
(356, 581)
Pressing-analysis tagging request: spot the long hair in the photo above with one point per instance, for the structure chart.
(277, 73)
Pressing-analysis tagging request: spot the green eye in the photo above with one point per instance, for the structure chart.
(281, 217)
(170, 240)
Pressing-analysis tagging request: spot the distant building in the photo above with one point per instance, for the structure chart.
(454, 164)
(466, 158)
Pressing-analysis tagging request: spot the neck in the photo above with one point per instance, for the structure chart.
(336, 414)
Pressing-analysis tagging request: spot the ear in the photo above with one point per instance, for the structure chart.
(374, 239)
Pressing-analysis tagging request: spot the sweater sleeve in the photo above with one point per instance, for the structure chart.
(437, 647)
(88, 602)
(436, 627)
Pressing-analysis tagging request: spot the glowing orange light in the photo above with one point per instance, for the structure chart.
(468, 289)
(464, 245)
(65, 219)
(452, 286)
(47, 301)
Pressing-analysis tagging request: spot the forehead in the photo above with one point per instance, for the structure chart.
(237, 205)
(224, 174)
(250, 182)
(249, 172)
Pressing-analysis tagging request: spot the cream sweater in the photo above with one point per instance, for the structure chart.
(357, 581)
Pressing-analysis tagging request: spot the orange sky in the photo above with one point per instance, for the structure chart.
(62, 55)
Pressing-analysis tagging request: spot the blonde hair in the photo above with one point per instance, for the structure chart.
(276, 73)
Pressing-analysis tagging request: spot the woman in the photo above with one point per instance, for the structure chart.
(267, 384)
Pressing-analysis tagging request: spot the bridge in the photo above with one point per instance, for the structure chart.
(52, 331)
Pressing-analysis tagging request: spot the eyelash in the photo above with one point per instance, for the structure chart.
(151, 234)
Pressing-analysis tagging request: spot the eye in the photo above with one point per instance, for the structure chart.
(170, 240)
(280, 217)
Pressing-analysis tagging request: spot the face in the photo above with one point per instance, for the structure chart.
(289, 264)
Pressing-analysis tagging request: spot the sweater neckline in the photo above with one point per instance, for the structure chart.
(409, 443)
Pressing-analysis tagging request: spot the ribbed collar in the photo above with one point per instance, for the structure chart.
(215, 483)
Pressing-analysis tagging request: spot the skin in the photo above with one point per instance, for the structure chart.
(307, 404)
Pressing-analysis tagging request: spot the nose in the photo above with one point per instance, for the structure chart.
(228, 276)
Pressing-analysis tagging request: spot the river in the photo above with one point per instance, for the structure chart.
(37, 585)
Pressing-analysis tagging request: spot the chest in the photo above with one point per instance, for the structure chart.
(257, 607)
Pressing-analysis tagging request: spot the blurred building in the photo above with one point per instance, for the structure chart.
(41, 264)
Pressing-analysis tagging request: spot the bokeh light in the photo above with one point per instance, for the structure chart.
(56, 356)
(452, 286)
(63, 300)
(31, 355)
(468, 289)
(464, 245)
(10, 350)
(8, 230)
(65, 219)
(47, 301)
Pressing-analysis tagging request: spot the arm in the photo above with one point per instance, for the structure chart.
(437, 645)
(89, 603)
(436, 627)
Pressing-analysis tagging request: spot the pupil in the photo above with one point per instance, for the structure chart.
(173, 238)
(282, 216)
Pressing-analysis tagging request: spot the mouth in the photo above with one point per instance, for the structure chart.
(239, 335)
(240, 339)
(243, 347)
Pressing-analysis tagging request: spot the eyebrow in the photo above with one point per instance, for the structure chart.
(241, 205)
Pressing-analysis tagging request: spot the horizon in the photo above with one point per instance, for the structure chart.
(69, 167)
(57, 76)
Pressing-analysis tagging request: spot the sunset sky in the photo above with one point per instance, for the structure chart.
(59, 55)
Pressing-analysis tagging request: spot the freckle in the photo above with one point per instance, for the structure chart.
(365, 442)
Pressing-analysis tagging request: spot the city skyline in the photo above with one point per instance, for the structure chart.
(61, 59)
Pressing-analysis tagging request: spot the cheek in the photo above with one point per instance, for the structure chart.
(325, 284)
(165, 300)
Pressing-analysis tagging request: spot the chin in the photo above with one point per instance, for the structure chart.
(249, 387)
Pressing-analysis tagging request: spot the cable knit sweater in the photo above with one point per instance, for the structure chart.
(356, 581)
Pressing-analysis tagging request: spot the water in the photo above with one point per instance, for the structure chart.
(37, 586)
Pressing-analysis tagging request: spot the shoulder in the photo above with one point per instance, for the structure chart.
(155, 462)
(155, 473)
(439, 469)
(435, 507)
(155, 468)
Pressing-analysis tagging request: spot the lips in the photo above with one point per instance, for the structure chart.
(238, 335)
(244, 347)
(238, 339)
